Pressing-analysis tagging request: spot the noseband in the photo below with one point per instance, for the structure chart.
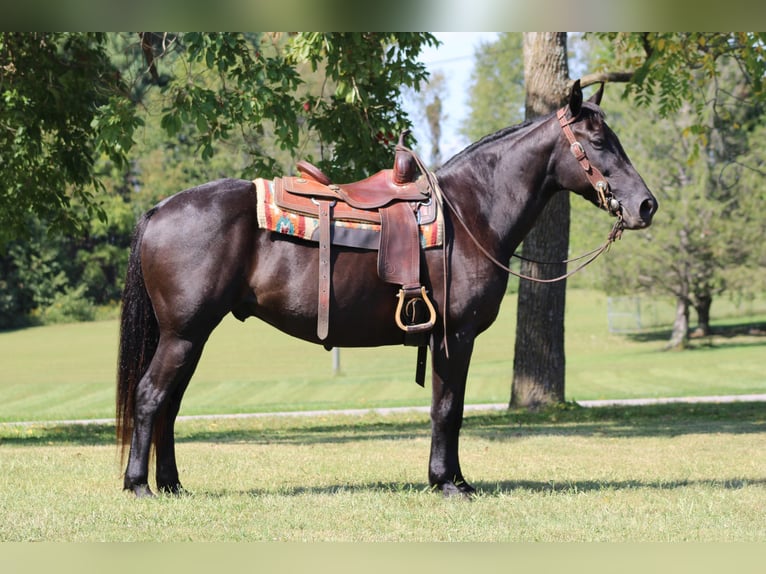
(605, 198)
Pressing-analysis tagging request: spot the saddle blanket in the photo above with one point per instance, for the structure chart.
(346, 233)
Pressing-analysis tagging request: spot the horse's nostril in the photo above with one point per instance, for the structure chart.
(647, 209)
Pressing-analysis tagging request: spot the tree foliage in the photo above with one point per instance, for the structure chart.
(496, 93)
(696, 137)
(358, 121)
(674, 69)
(63, 104)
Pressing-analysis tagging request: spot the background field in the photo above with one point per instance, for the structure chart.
(67, 371)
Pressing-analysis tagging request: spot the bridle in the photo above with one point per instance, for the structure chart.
(605, 198)
(606, 201)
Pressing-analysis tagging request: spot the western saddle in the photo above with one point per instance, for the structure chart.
(398, 201)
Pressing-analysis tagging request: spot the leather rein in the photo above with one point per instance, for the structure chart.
(595, 177)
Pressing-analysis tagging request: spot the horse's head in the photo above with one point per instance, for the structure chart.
(592, 162)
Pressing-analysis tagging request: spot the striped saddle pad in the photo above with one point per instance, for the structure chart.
(278, 211)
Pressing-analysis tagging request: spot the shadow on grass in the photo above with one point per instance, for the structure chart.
(43, 434)
(583, 486)
(569, 420)
(493, 489)
(755, 329)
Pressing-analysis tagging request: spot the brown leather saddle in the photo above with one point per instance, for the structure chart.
(395, 200)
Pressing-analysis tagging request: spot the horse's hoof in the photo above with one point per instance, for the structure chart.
(174, 490)
(142, 491)
(459, 489)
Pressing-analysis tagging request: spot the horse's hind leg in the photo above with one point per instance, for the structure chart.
(157, 400)
(167, 469)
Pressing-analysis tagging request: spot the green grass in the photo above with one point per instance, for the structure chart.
(67, 371)
(661, 473)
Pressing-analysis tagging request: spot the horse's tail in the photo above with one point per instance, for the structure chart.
(139, 335)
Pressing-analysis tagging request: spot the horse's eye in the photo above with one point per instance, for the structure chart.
(597, 143)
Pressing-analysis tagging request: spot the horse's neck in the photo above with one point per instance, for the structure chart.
(510, 196)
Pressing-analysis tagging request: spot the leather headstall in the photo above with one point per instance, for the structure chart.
(595, 177)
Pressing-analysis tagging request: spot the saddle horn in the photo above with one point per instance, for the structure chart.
(404, 164)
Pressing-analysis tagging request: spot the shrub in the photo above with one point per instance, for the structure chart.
(69, 306)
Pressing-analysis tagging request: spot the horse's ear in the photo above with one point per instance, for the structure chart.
(575, 99)
(596, 98)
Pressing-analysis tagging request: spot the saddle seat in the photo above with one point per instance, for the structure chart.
(371, 193)
(378, 190)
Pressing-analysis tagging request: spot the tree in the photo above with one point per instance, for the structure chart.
(74, 179)
(706, 243)
(668, 68)
(703, 98)
(539, 358)
(428, 110)
(496, 93)
(435, 116)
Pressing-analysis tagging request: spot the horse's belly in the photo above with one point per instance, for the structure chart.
(284, 293)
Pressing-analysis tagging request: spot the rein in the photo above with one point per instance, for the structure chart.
(596, 179)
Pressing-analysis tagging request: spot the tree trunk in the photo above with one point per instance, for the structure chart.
(539, 360)
(680, 335)
(702, 306)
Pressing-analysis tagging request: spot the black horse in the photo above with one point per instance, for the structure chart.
(200, 254)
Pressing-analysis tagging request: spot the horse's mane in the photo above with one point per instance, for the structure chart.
(488, 139)
(504, 133)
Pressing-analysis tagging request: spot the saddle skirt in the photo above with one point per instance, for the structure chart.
(282, 210)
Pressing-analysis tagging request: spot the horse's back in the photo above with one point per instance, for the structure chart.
(214, 198)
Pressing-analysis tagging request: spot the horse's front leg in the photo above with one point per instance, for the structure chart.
(448, 395)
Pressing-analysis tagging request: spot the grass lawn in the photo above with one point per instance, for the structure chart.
(67, 371)
(666, 473)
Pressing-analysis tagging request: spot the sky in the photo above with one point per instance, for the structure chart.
(454, 58)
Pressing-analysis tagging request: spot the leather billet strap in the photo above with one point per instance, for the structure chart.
(595, 177)
(323, 310)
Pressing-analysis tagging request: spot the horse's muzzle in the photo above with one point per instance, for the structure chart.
(638, 214)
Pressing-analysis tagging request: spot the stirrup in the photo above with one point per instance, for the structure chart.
(412, 296)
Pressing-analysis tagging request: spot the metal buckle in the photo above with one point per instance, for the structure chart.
(577, 150)
(421, 205)
(315, 202)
